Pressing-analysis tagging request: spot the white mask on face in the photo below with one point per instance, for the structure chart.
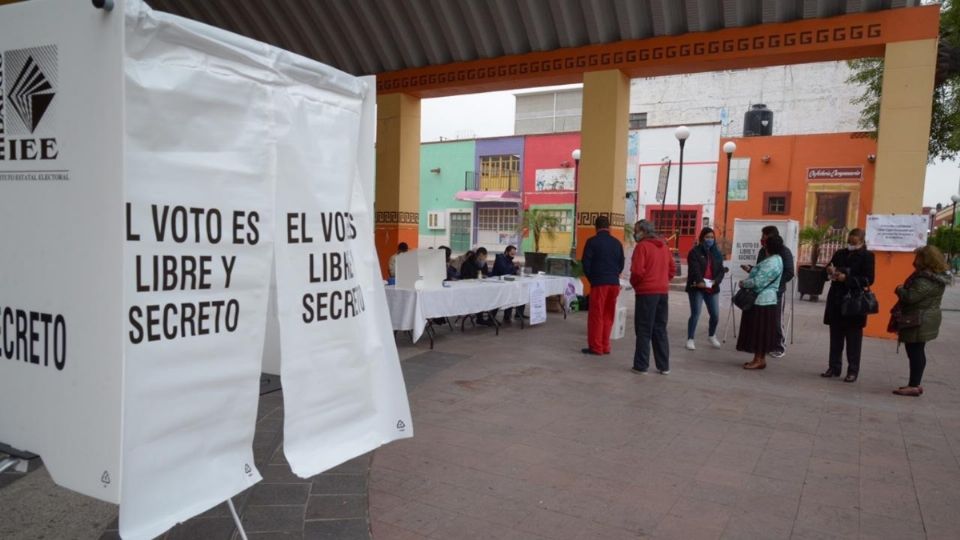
(853, 247)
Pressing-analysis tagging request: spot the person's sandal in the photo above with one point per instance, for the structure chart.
(909, 391)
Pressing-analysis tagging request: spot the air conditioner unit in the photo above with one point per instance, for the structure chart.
(436, 221)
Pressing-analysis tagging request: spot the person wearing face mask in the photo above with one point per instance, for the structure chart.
(704, 273)
(651, 269)
(503, 265)
(475, 267)
(850, 269)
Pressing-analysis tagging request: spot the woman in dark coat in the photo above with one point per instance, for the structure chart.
(704, 274)
(920, 296)
(850, 269)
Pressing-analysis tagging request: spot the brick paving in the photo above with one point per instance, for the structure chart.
(527, 438)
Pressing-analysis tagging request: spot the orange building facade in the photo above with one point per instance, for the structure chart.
(814, 179)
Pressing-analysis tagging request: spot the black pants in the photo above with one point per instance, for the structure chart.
(781, 338)
(853, 337)
(918, 361)
(650, 324)
(508, 312)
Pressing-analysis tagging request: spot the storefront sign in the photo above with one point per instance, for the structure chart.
(835, 173)
(897, 232)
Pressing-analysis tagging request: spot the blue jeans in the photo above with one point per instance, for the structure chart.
(697, 299)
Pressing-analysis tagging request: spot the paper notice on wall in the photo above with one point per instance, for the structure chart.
(197, 262)
(538, 302)
(897, 232)
(343, 390)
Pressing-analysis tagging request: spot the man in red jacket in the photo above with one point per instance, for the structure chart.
(651, 270)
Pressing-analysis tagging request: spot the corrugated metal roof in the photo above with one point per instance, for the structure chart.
(365, 37)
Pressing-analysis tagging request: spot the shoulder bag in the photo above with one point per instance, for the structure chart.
(859, 302)
(747, 297)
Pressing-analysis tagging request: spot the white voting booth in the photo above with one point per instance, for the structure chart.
(154, 174)
(745, 248)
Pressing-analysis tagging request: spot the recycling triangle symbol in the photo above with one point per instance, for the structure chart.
(105, 478)
(400, 424)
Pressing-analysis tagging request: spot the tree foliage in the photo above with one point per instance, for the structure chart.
(947, 239)
(945, 120)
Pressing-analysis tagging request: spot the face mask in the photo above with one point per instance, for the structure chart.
(709, 243)
(853, 247)
(637, 236)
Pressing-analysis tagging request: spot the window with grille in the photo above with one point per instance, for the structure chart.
(638, 120)
(500, 173)
(505, 220)
(460, 227)
(665, 222)
(564, 219)
(776, 203)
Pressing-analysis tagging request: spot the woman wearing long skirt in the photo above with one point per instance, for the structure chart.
(759, 325)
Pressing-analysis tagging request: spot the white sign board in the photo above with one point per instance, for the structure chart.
(342, 386)
(61, 210)
(554, 179)
(746, 248)
(897, 232)
(538, 303)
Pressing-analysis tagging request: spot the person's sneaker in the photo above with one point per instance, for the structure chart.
(779, 353)
(691, 346)
(664, 371)
(714, 342)
(640, 371)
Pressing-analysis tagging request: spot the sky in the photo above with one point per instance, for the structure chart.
(491, 115)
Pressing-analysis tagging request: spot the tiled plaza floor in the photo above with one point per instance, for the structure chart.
(526, 438)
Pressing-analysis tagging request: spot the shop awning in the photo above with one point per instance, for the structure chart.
(489, 196)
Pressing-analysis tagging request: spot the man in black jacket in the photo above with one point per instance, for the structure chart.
(788, 273)
(602, 265)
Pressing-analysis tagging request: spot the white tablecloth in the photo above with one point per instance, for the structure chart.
(410, 309)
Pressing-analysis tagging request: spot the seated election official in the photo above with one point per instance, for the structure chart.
(475, 267)
(503, 265)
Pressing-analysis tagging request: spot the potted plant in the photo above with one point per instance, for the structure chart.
(812, 277)
(538, 223)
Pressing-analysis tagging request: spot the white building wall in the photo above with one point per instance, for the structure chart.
(804, 98)
(699, 170)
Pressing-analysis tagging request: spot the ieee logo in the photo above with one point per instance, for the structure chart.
(28, 106)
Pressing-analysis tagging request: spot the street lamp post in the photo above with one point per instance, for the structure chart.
(933, 220)
(682, 134)
(728, 148)
(576, 199)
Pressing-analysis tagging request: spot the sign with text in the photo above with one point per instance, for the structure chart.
(143, 157)
(835, 173)
(343, 389)
(662, 180)
(746, 248)
(895, 232)
(538, 302)
(61, 210)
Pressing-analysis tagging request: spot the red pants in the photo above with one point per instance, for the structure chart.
(603, 308)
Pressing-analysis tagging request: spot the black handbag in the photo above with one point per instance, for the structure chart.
(745, 298)
(859, 302)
